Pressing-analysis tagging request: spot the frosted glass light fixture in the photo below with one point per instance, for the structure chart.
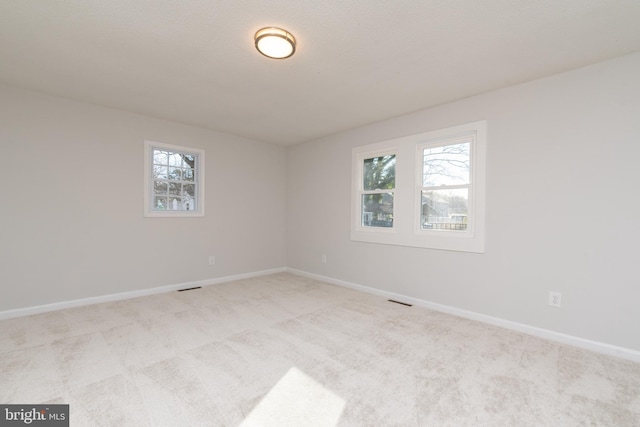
(275, 43)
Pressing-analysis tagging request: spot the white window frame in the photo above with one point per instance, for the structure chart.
(149, 210)
(406, 230)
(359, 187)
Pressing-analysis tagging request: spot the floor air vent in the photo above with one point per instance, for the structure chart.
(401, 303)
(189, 289)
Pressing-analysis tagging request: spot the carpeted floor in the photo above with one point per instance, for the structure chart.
(285, 350)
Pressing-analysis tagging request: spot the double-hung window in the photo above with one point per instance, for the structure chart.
(174, 180)
(444, 184)
(377, 190)
(424, 190)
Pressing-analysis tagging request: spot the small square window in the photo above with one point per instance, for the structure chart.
(174, 180)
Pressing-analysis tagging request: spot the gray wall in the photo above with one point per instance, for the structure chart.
(71, 204)
(562, 207)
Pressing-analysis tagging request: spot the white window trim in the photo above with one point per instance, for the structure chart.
(148, 181)
(358, 165)
(406, 230)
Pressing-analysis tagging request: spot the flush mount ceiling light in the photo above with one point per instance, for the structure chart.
(275, 43)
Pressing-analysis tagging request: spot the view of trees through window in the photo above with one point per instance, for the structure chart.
(425, 190)
(445, 187)
(379, 181)
(174, 180)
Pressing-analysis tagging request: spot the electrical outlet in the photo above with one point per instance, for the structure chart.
(212, 260)
(555, 299)
(324, 259)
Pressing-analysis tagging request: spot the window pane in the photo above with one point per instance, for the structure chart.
(175, 159)
(188, 175)
(160, 203)
(188, 203)
(188, 190)
(160, 187)
(445, 209)
(380, 173)
(160, 157)
(188, 161)
(446, 165)
(377, 210)
(175, 174)
(175, 189)
(159, 172)
(175, 204)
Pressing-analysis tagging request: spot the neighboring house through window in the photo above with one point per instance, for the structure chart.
(424, 190)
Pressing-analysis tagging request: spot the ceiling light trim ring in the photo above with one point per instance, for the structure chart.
(268, 32)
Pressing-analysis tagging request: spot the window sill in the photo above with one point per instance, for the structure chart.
(464, 242)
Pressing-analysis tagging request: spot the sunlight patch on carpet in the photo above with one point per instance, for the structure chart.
(297, 399)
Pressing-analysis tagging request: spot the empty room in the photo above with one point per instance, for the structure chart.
(296, 213)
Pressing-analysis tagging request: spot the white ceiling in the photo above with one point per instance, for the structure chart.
(357, 61)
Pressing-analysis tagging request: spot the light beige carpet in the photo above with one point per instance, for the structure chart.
(284, 350)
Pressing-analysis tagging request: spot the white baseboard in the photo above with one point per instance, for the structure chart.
(600, 347)
(596, 346)
(27, 311)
